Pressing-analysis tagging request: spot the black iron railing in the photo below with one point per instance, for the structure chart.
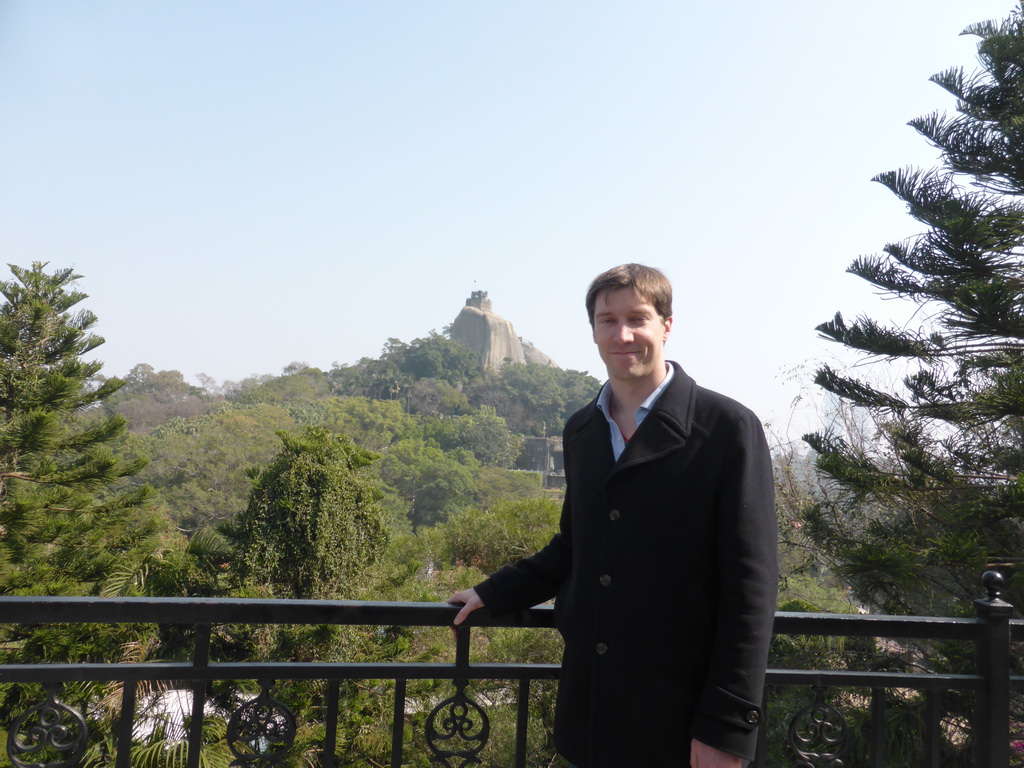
(818, 732)
(52, 734)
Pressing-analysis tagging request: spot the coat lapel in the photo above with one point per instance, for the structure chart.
(592, 446)
(666, 427)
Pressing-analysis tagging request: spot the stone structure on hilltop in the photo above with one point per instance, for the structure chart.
(492, 336)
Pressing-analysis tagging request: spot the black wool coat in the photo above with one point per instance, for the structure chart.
(664, 572)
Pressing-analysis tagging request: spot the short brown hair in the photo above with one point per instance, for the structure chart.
(650, 284)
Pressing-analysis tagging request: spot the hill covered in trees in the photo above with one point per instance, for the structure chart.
(448, 435)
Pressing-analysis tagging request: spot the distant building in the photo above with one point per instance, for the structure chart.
(544, 454)
(479, 300)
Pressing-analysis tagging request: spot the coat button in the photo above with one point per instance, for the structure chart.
(753, 717)
(605, 579)
(602, 649)
(613, 514)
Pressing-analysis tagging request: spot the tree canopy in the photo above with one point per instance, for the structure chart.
(433, 481)
(534, 399)
(150, 398)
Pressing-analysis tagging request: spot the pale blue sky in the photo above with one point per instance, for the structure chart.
(246, 184)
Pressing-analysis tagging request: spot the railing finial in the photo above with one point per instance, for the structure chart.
(993, 581)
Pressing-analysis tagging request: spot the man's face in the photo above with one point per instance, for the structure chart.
(630, 335)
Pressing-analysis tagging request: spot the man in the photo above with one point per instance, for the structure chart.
(664, 566)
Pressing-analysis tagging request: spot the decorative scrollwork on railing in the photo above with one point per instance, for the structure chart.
(261, 731)
(817, 733)
(49, 735)
(463, 732)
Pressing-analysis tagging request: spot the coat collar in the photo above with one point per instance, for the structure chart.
(665, 429)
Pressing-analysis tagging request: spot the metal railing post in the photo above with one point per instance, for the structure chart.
(200, 660)
(398, 723)
(331, 728)
(992, 730)
(126, 727)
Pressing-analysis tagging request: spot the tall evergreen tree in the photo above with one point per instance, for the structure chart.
(927, 492)
(65, 528)
(935, 494)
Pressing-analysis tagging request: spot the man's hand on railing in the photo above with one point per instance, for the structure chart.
(469, 600)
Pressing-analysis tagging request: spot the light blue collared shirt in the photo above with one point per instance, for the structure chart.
(604, 402)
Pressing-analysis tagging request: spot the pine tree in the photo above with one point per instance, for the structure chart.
(935, 495)
(925, 485)
(65, 526)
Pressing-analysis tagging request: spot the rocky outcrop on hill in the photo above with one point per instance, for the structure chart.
(492, 337)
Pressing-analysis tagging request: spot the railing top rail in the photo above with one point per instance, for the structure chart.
(275, 670)
(1017, 630)
(172, 610)
(874, 625)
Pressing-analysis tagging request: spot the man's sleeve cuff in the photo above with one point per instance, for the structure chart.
(726, 722)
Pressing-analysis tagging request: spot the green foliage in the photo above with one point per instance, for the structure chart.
(430, 397)
(394, 374)
(297, 384)
(439, 358)
(371, 424)
(484, 433)
(378, 378)
(435, 482)
(534, 399)
(436, 376)
(472, 543)
(199, 466)
(494, 484)
(71, 521)
(163, 750)
(313, 525)
(488, 540)
(193, 567)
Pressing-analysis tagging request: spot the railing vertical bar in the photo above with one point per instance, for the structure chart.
(877, 728)
(200, 660)
(331, 730)
(124, 728)
(980, 722)
(933, 729)
(461, 650)
(522, 722)
(398, 724)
